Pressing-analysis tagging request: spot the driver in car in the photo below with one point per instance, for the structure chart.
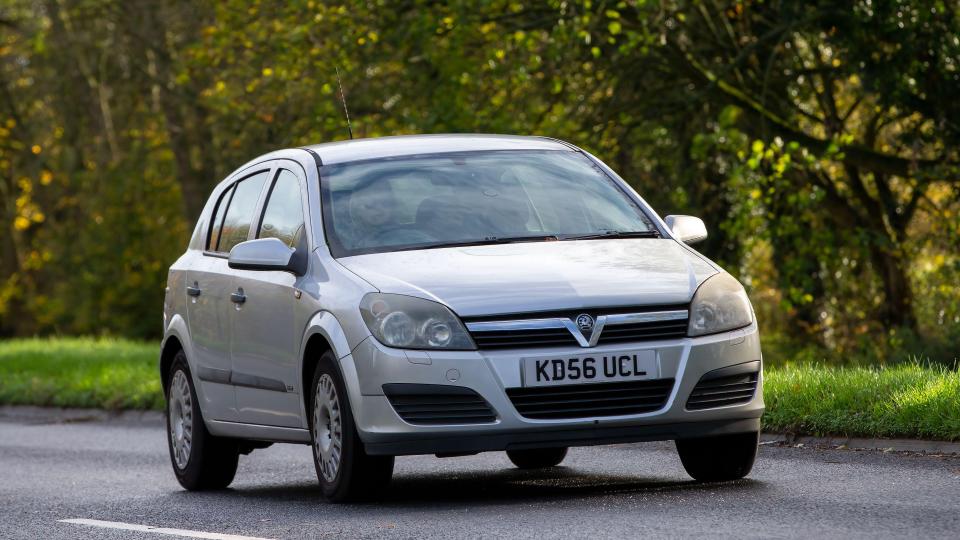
(372, 211)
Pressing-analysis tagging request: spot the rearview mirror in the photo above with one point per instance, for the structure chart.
(687, 229)
(267, 254)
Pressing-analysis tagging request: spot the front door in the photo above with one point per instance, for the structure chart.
(266, 335)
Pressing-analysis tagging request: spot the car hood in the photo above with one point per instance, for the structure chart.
(540, 276)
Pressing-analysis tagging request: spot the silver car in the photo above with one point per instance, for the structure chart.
(448, 295)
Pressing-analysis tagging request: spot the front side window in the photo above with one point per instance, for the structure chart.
(283, 216)
(438, 200)
(243, 203)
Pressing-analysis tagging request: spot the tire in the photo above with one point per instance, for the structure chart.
(717, 459)
(537, 458)
(200, 460)
(345, 471)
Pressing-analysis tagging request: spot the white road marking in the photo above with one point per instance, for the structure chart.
(157, 530)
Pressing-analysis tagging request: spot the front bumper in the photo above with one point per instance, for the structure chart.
(489, 373)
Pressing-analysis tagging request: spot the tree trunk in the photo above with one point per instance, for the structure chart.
(183, 117)
(897, 309)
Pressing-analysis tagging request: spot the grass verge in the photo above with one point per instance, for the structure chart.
(906, 400)
(80, 372)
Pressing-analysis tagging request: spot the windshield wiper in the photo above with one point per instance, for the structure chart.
(612, 234)
(491, 240)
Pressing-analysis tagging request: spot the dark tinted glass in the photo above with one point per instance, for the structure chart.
(236, 225)
(433, 200)
(218, 219)
(283, 217)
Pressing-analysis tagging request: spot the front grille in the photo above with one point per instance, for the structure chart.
(546, 329)
(643, 331)
(589, 400)
(518, 339)
(438, 404)
(722, 391)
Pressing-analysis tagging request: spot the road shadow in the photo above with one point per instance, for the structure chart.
(446, 489)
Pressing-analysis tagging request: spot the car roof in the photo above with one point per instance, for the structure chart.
(405, 145)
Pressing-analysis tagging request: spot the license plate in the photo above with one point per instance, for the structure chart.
(605, 367)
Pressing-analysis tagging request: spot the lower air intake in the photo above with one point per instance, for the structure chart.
(590, 400)
(735, 385)
(433, 404)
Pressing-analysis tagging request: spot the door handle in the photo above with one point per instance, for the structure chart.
(238, 297)
(194, 290)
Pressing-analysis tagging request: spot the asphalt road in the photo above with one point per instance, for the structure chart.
(120, 472)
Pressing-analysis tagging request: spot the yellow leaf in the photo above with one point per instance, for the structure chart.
(267, 72)
(36, 149)
(21, 223)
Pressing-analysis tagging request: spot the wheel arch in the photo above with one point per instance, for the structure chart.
(323, 334)
(173, 341)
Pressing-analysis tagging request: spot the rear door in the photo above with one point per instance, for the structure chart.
(209, 286)
(266, 334)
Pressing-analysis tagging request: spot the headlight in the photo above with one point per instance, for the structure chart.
(719, 304)
(413, 323)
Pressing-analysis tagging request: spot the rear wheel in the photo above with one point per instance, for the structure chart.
(715, 459)
(345, 471)
(537, 458)
(200, 460)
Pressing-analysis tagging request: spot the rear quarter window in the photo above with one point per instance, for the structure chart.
(214, 237)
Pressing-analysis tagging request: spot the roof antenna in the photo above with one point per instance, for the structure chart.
(343, 100)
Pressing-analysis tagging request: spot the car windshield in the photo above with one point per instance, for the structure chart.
(437, 200)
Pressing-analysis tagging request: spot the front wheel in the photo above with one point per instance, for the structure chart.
(537, 458)
(716, 459)
(346, 472)
(200, 460)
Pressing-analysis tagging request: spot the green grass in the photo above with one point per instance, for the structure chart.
(902, 400)
(80, 372)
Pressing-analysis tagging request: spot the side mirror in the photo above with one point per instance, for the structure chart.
(687, 229)
(267, 254)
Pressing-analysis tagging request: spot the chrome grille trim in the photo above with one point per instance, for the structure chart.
(522, 324)
(554, 323)
(654, 316)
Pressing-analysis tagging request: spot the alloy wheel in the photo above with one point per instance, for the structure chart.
(181, 419)
(327, 428)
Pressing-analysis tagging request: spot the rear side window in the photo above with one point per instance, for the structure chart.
(217, 221)
(239, 214)
(283, 216)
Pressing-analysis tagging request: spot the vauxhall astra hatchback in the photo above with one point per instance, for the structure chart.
(449, 295)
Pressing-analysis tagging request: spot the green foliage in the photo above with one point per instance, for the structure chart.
(80, 372)
(818, 140)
